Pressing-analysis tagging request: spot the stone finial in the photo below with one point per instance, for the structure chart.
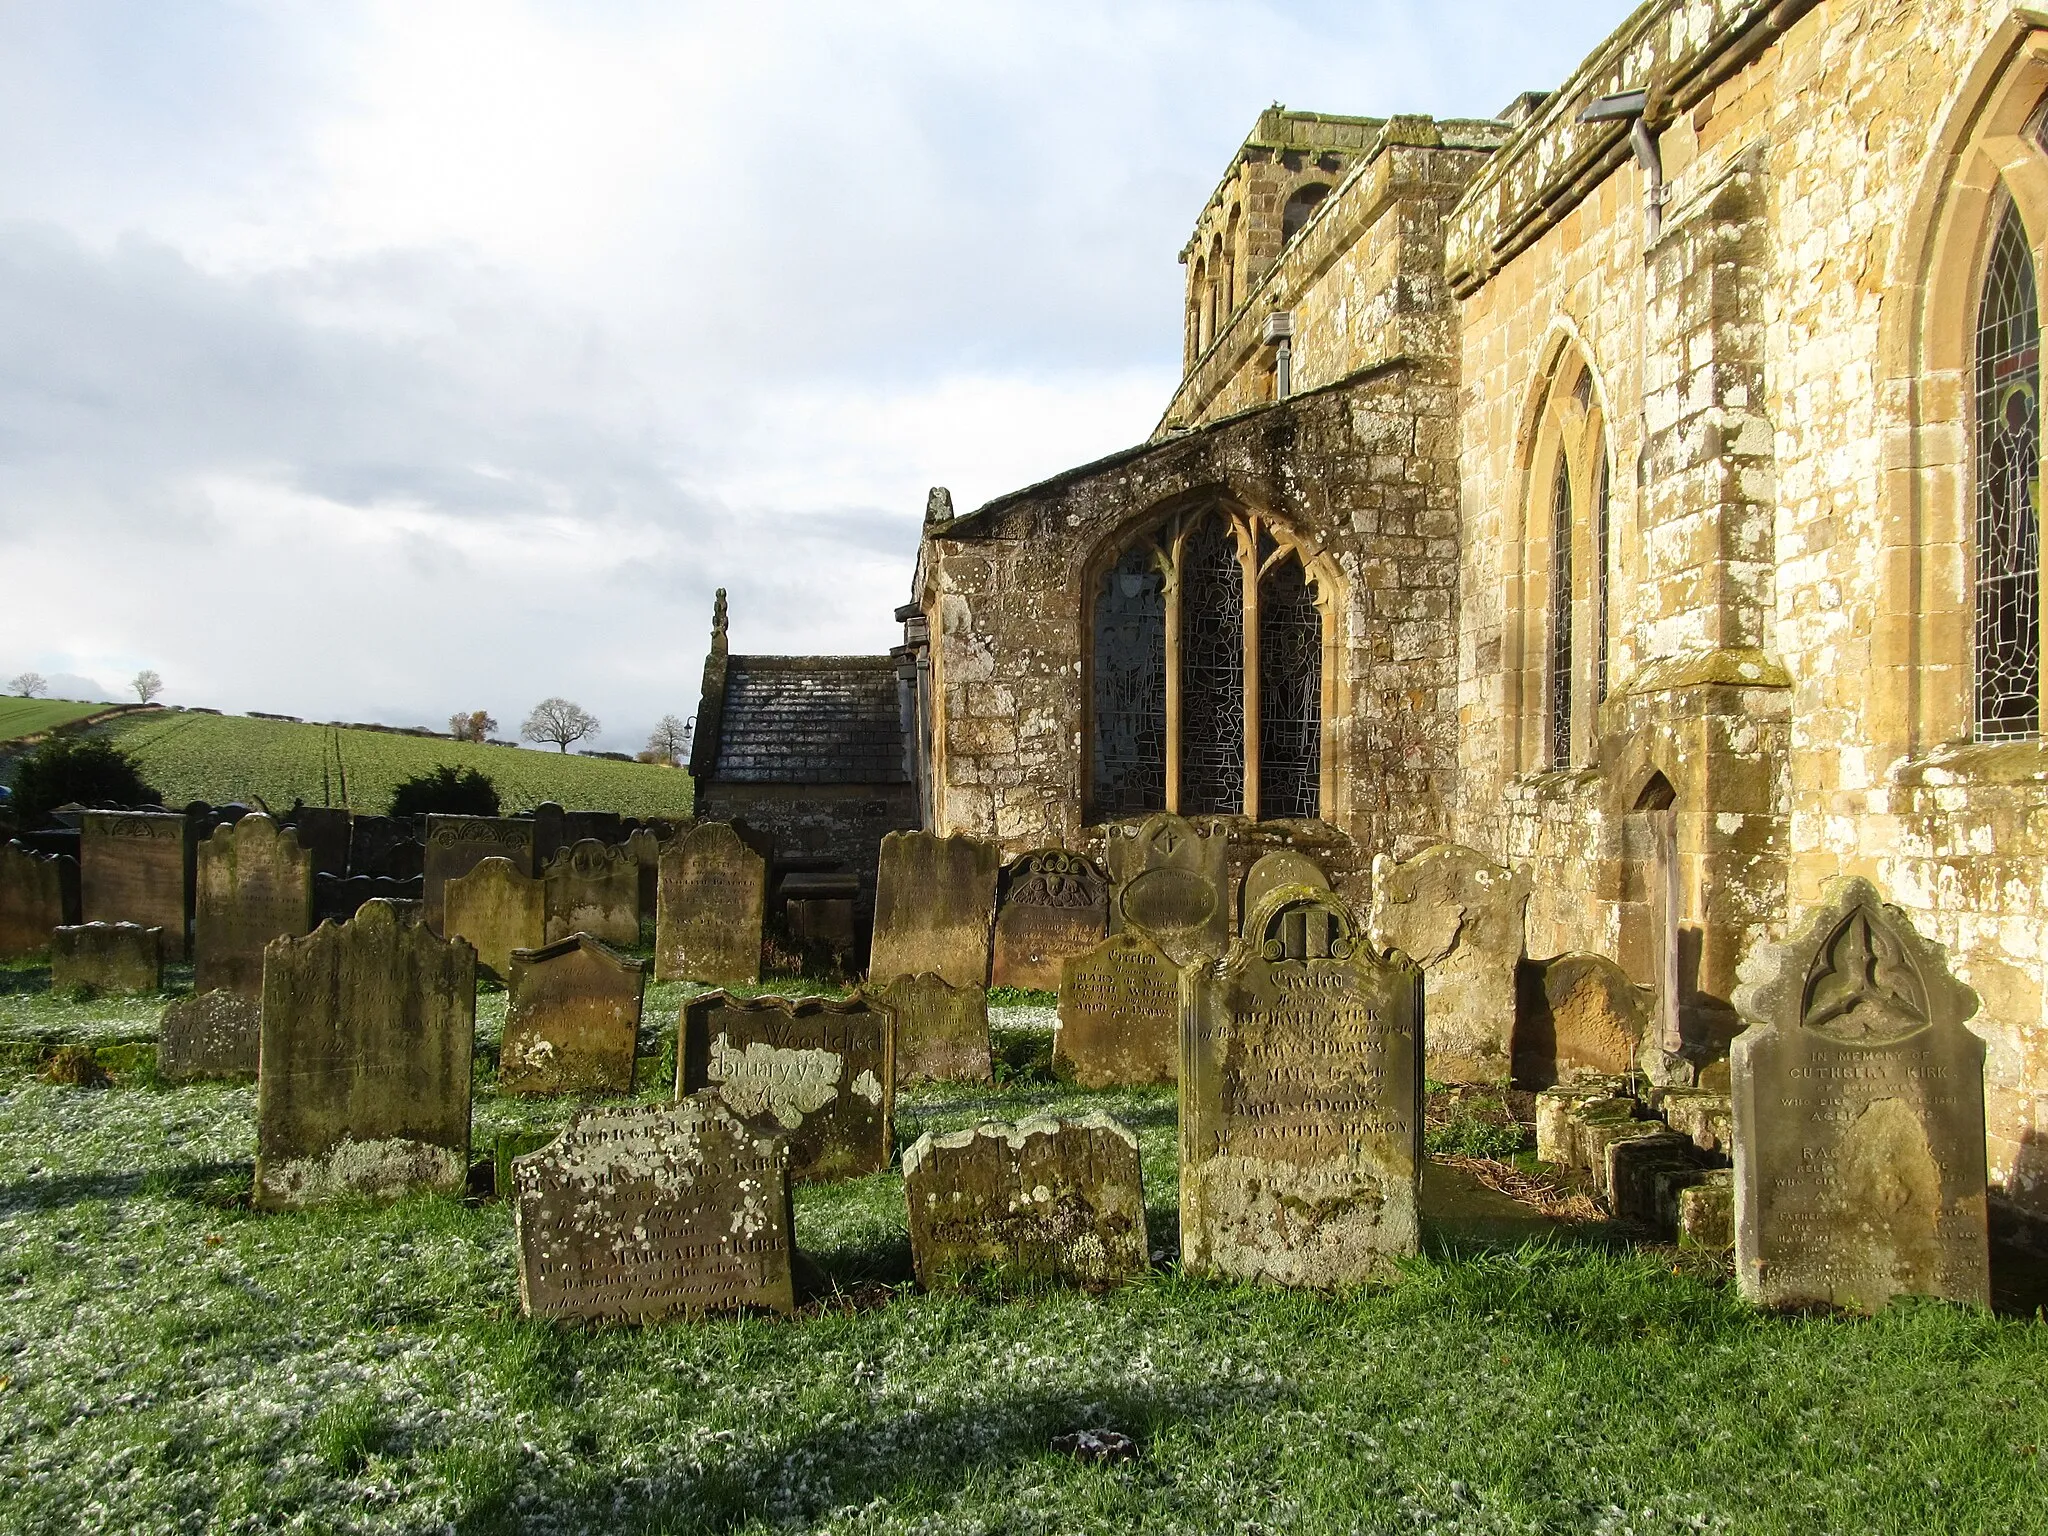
(938, 506)
(718, 615)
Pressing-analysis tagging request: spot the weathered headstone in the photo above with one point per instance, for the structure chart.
(136, 867)
(211, 1034)
(363, 1087)
(38, 894)
(713, 901)
(1045, 1200)
(1053, 904)
(336, 898)
(1283, 866)
(642, 1212)
(549, 832)
(935, 904)
(573, 1019)
(1171, 882)
(605, 826)
(1459, 916)
(1859, 1115)
(821, 1072)
(941, 1030)
(1119, 1014)
(593, 888)
(457, 844)
(326, 833)
(498, 910)
(107, 957)
(1576, 1014)
(255, 884)
(644, 845)
(1300, 1090)
(386, 846)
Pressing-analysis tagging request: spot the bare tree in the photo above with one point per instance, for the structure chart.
(559, 721)
(147, 685)
(670, 741)
(475, 726)
(28, 685)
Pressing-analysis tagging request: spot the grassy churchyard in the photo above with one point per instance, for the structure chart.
(172, 1361)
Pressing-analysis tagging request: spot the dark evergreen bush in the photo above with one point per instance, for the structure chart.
(88, 769)
(446, 792)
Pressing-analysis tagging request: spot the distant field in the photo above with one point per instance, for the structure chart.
(29, 717)
(222, 758)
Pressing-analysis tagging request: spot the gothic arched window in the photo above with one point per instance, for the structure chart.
(1561, 616)
(2008, 645)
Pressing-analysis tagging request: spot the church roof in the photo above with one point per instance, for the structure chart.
(809, 720)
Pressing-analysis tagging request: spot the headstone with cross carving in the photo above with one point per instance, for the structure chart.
(1053, 904)
(1859, 1115)
(1171, 882)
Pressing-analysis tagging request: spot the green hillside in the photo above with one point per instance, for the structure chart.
(221, 758)
(30, 717)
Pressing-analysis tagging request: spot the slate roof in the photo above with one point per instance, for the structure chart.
(810, 720)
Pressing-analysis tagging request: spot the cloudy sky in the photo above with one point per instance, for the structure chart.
(374, 361)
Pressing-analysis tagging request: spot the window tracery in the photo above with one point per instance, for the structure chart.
(2008, 450)
(1561, 617)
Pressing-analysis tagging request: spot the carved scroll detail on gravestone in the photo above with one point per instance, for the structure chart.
(1053, 904)
(572, 1021)
(1301, 1106)
(457, 844)
(1171, 882)
(1283, 866)
(38, 894)
(254, 884)
(136, 867)
(941, 1031)
(712, 902)
(210, 1035)
(641, 1212)
(819, 1070)
(935, 907)
(1049, 1199)
(1119, 1014)
(498, 910)
(593, 888)
(1858, 1114)
(107, 957)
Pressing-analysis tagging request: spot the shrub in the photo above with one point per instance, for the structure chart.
(446, 792)
(88, 769)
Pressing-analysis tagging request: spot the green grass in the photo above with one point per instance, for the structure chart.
(171, 1361)
(30, 717)
(222, 758)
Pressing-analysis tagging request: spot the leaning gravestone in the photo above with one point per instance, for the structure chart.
(941, 1030)
(38, 894)
(713, 901)
(642, 1212)
(1045, 1200)
(1171, 883)
(1859, 1115)
(935, 901)
(457, 844)
(498, 910)
(210, 1035)
(1301, 1102)
(254, 884)
(107, 957)
(363, 1087)
(1053, 904)
(1459, 916)
(1119, 1014)
(136, 867)
(572, 1021)
(593, 888)
(820, 1072)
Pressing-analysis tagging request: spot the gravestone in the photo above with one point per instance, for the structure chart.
(38, 894)
(385, 845)
(820, 1072)
(1577, 1015)
(550, 834)
(363, 1083)
(107, 957)
(498, 910)
(593, 888)
(605, 826)
(941, 1030)
(1459, 916)
(1045, 1200)
(1119, 1014)
(713, 901)
(1054, 904)
(254, 884)
(210, 1035)
(1859, 1115)
(935, 903)
(457, 844)
(1283, 866)
(1301, 1102)
(644, 1212)
(644, 845)
(326, 835)
(336, 899)
(573, 1019)
(136, 867)
(1171, 882)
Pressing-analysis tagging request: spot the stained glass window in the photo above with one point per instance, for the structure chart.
(2008, 490)
(1290, 694)
(1212, 672)
(1130, 687)
(1603, 555)
(1561, 618)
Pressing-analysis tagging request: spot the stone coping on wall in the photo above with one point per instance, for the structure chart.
(1732, 667)
(1965, 763)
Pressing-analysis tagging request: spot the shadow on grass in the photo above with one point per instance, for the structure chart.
(211, 1184)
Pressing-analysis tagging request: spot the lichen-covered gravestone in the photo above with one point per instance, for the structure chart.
(254, 884)
(1053, 904)
(1576, 1015)
(1171, 882)
(107, 957)
(363, 1088)
(498, 910)
(941, 1030)
(136, 867)
(712, 902)
(38, 894)
(935, 904)
(641, 1212)
(572, 1021)
(1300, 1102)
(820, 1072)
(1859, 1115)
(593, 888)
(1119, 1014)
(1461, 917)
(1045, 1200)
(210, 1035)
(457, 844)
(1281, 867)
